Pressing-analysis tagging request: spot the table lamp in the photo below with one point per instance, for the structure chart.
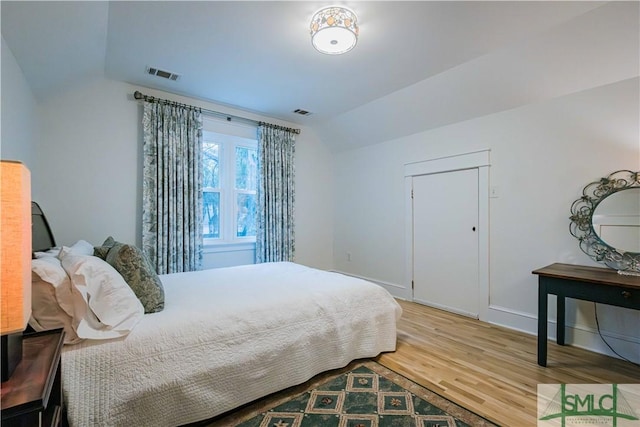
(15, 261)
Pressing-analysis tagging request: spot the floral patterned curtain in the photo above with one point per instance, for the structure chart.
(275, 239)
(172, 187)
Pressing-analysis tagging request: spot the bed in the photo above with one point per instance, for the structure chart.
(226, 337)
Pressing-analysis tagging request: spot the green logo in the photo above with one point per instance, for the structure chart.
(594, 404)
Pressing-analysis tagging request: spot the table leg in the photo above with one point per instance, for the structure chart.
(560, 320)
(542, 321)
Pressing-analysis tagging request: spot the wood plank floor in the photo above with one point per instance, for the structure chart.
(488, 369)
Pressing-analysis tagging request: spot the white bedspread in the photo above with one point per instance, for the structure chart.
(226, 337)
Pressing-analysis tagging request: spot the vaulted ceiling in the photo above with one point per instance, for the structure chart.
(417, 64)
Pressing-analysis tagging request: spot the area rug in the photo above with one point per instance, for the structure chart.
(363, 394)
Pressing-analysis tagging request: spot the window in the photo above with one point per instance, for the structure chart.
(229, 181)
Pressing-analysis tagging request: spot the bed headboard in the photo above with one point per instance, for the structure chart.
(41, 235)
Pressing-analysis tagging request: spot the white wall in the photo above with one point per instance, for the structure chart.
(19, 122)
(542, 155)
(90, 168)
(593, 49)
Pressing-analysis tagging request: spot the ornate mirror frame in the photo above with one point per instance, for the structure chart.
(581, 226)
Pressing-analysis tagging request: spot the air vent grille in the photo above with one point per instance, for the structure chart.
(301, 112)
(163, 73)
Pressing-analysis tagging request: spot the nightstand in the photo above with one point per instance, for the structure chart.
(33, 394)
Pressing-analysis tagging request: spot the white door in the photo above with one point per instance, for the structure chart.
(445, 241)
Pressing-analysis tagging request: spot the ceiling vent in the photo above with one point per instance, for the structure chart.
(301, 112)
(163, 73)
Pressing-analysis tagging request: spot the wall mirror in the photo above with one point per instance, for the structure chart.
(606, 221)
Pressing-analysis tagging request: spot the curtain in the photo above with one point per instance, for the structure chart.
(172, 187)
(275, 240)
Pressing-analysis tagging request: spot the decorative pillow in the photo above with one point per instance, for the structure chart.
(102, 251)
(110, 309)
(136, 270)
(52, 298)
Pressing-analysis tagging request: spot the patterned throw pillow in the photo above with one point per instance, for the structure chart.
(136, 270)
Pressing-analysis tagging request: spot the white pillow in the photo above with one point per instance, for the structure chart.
(52, 298)
(53, 252)
(49, 269)
(46, 313)
(111, 309)
(81, 247)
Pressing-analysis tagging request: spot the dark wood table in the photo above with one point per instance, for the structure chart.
(595, 284)
(33, 394)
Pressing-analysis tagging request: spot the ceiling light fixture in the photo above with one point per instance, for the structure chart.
(334, 30)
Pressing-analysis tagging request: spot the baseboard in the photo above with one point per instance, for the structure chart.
(581, 336)
(518, 320)
(397, 291)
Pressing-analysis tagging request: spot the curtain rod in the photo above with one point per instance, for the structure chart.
(229, 117)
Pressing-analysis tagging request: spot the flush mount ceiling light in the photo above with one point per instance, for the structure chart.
(334, 30)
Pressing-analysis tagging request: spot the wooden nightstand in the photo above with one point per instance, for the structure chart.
(33, 394)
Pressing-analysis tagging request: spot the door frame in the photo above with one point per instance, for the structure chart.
(474, 160)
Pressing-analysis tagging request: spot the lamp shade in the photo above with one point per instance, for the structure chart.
(15, 247)
(334, 30)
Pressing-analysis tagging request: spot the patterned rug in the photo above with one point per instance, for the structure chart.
(363, 394)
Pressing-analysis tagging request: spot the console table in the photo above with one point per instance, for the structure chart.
(596, 284)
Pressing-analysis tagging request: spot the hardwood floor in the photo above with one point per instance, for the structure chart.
(488, 369)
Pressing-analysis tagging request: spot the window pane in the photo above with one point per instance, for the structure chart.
(246, 215)
(211, 214)
(210, 165)
(246, 168)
